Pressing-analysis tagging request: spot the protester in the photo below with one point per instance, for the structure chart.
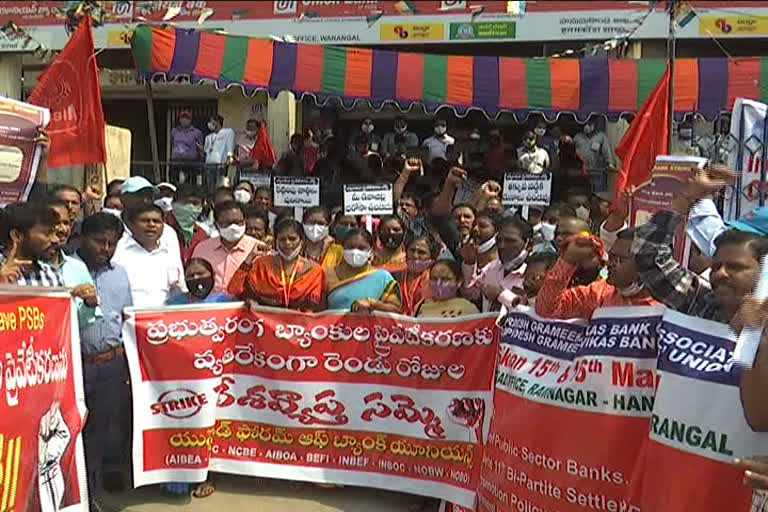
(199, 276)
(291, 162)
(391, 255)
(594, 147)
(227, 252)
(622, 287)
(28, 238)
(319, 245)
(165, 194)
(354, 284)
(219, 144)
(73, 200)
(531, 158)
(444, 280)
(154, 269)
(464, 216)
(186, 145)
(494, 206)
(421, 253)
(367, 128)
(113, 204)
(245, 142)
(497, 160)
(183, 219)
(263, 198)
(257, 225)
(244, 192)
(343, 225)
(105, 370)
(113, 187)
(398, 141)
(536, 267)
(285, 279)
(495, 281)
(436, 146)
(484, 239)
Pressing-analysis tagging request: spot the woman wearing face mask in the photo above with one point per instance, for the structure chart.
(284, 279)
(343, 225)
(421, 252)
(244, 192)
(391, 256)
(444, 282)
(484, 240)
(354, 284)
(320, 247)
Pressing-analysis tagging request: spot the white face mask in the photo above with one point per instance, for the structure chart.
(487, 245)
(356, 258)
(315, 232)
(211, 125)
(516, 262)
(400, 129)
(474, 136)
(582, 213)
(588, 128)
(440, 129)
(232, 233)
(540, 131)
(686, 133)
(250, 133)
(367, 128)
(548, 231)
(242, 196)
(290, 256)
(164, 203)
(112, 211)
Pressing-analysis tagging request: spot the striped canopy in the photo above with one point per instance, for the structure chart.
(584, 86)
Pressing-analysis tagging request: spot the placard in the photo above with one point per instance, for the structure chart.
(525, 189)
(257, 179)
(368, 199)
(296, 192)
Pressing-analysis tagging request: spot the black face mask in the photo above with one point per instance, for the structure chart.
(393, 240)
(200, 288)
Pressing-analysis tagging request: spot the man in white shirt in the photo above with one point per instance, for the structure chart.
(219, 147)
(436, 146)
(154, 269)
(530, 157)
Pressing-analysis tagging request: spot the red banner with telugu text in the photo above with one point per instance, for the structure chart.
(42, 405)
(379, 401)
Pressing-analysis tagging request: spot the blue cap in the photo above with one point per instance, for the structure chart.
(136, 183)
(755, 222)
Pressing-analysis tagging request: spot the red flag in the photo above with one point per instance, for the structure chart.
(647, 137)
(262, 151)
(70, 88)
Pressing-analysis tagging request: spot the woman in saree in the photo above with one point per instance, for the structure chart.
(391, 255)
(284, 279)
(355, 285)
(319, 246)
(420, 254)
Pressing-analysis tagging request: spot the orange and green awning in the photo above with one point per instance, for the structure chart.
(518, 85)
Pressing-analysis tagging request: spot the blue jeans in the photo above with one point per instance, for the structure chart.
(107, 432)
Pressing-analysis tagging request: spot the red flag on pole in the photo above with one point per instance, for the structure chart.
(647, 137)
(262, 151)
(70, 89)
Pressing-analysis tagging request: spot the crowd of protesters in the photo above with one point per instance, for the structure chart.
(450, 248)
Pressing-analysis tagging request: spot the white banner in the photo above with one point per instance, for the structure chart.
(525, 189)
(297, 192)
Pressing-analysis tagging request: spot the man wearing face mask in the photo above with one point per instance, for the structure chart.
(437, 145)
(165, 193)
(623, 286)
(230, 249)
(219, 148)
(595, 148)
(185, 143)
(548, 143)
(399, 141)
(185, 211)
(531, 158)
(245, 143)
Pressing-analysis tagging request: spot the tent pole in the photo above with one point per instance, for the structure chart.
(152, 132)
(671, 50)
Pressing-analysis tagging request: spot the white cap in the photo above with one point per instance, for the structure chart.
(165, 184)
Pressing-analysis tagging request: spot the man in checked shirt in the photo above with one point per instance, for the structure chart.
(725, 298)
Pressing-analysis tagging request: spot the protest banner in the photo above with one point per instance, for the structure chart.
(368, 199)
(526, 189)
(380, 401)
(42, 410)
(20, 124)
(576, 401)
(257, 179)
(744, 147)
(698, 425)
(668, 180)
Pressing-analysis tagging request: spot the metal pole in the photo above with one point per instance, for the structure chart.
(739, 164)
(763, 156)
(671, 50)
(152, 132)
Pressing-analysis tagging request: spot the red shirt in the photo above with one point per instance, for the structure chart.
(556, 300)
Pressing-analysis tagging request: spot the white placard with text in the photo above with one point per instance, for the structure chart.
(296, 192)
(368, 199)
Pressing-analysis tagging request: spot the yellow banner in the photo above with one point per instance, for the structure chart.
(412, 32)
(733, 25)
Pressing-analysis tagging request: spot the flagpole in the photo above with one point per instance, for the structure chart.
(671, 50)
